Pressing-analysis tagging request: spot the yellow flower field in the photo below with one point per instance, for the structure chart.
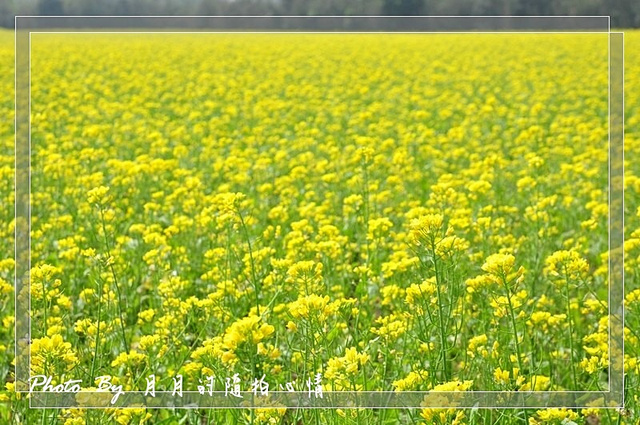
(372, 212)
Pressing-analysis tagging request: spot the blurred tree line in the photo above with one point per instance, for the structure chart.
(624, 13)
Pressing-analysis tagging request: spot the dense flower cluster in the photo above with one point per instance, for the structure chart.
(430, 214)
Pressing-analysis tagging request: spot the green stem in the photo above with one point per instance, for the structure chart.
(515, 335)
(253, 267)
(443, 348)
(95, 353)
(573, 365)
(115, 281)
(515, 330)
(44, 299)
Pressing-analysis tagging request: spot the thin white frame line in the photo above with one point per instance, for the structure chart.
(196, 406)
(16, 200)
(609, 261)
(457, 394)
(295, 32)
(315, 16)
(289, 32)
(328, 32)
(609, 207)
(608, 17)
(460, 393)
(29, 221)
(15, 191)
(622, 229)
